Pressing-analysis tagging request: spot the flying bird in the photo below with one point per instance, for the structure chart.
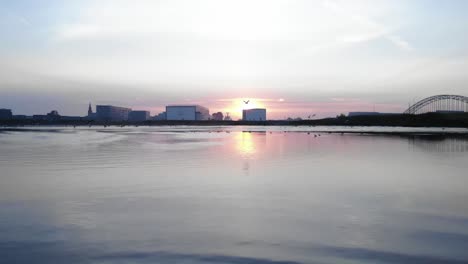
(247, 102)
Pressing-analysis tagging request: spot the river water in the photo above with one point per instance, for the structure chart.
(231, 195)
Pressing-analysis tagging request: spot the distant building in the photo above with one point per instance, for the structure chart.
(71, 118)
(351, 114)
(187, 112)
(90, 110)
(112, 113)
(255, 114)
(39, 117)
(51, 116)
(138, 116)
(217, 116)
(160, 116)
(91, 115)
(6, 114)
(21, 117)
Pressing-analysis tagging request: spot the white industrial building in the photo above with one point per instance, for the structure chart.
(187, 112)
(112, 113)
(138, 116)
(255, 114)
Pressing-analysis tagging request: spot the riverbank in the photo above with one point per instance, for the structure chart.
(313, 131)
(423, 120)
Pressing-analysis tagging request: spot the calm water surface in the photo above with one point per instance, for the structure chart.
(220, 195)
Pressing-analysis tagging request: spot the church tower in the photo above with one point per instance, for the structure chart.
(90, 110)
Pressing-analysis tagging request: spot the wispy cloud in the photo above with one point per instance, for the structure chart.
(15, 17)
(22, 20)
(79, 31)
(364, 28)
(399, 42)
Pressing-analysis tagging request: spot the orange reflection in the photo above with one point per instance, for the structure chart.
(245, 144)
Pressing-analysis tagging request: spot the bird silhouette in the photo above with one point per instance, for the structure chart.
(247, 102)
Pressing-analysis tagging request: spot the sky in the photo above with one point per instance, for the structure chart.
(296, 58)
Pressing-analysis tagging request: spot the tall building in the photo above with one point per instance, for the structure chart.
(90, 110)
(6, 114)
(112, 113)
(138, 116)
(91, 115)
(187, 112)
(255, 114)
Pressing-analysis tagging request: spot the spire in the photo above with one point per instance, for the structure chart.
(90, 110)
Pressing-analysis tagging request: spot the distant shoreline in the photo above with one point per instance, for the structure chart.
(424, 120)
(315, 133)
(432, 132)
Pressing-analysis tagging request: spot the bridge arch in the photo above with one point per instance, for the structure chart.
(438, 103)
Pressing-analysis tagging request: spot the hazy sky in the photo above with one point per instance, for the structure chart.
(294, 57)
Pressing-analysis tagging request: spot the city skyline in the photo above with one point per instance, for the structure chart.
(294, 58)
(236, 110)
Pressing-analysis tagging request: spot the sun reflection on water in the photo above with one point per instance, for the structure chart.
(245, 144)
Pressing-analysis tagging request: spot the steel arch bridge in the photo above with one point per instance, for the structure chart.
(439, 103)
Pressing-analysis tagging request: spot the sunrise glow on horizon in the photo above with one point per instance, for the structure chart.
(299, 58)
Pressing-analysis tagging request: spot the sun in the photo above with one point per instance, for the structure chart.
(239, 104)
